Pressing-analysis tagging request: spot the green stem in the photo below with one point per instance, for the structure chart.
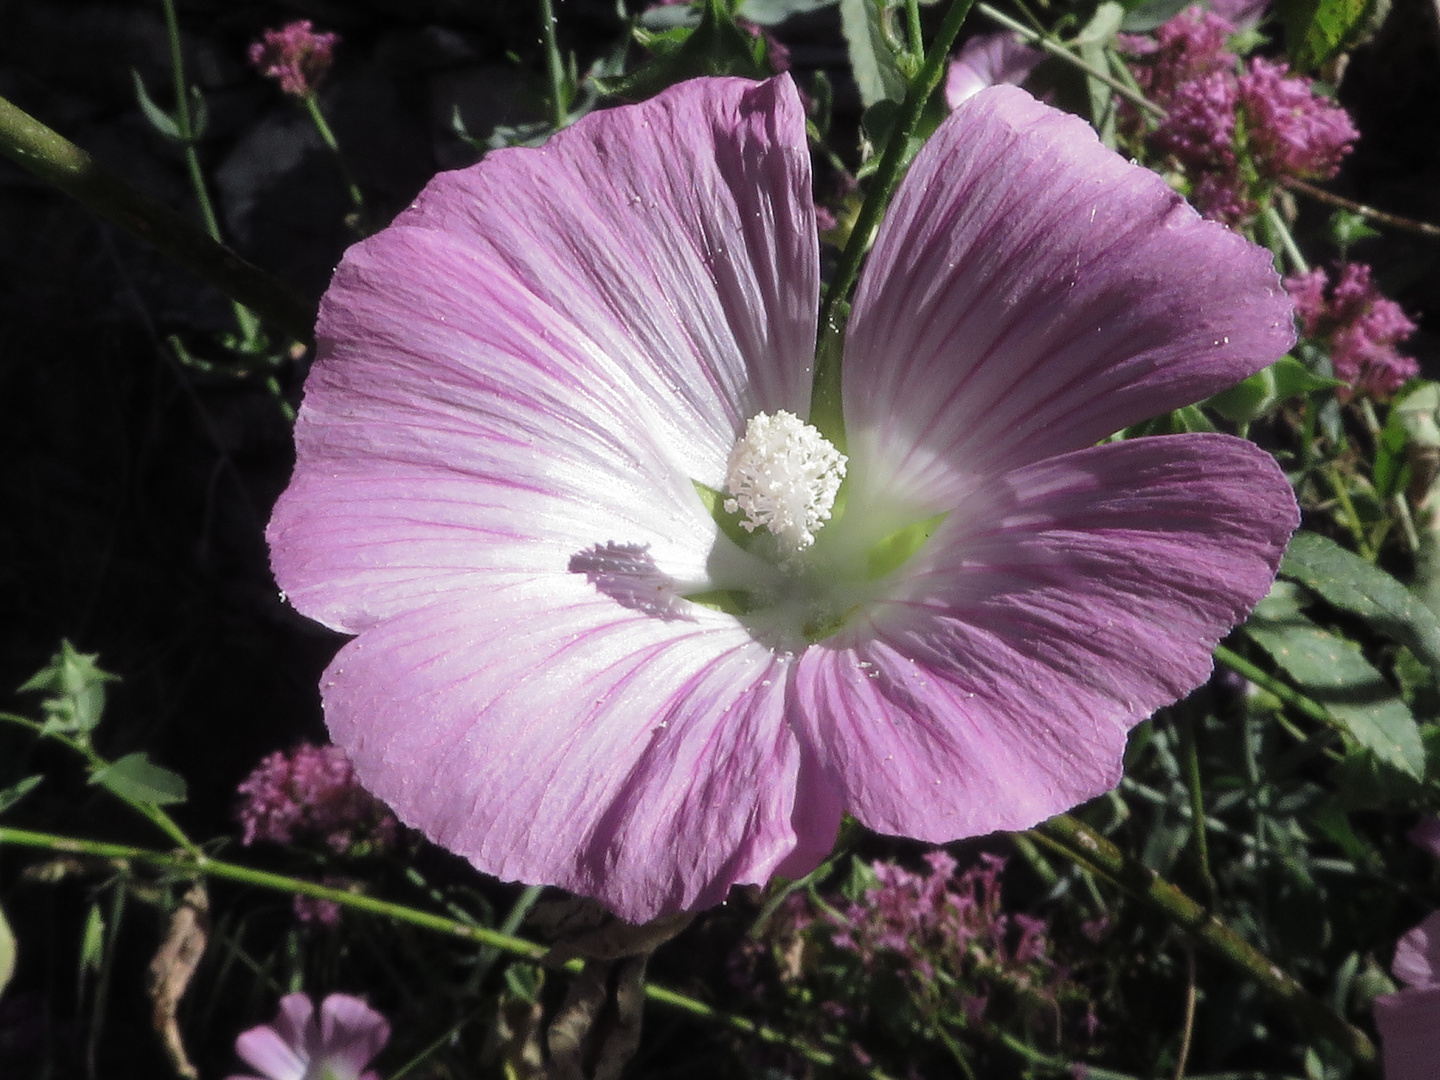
(1191, 753)
(59, 162)
(554, 69)
(156, 816)
(1058, 49)
(312, 106)
(892, 161)
(1296, 700)
(203, 865)
(1087, 848)
(244, 317)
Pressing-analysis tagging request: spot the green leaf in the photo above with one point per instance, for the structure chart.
(77, 687)
(15, 792)
(7, 952)
(1333, 671)
(716, 47)
(774, 12)
(1347, 227)
(1318, 30)
(1143, 17)
(1351, 584)
(136, 778)
(872, 57)
(1094, 39)
(159, 119)
(1257, 395)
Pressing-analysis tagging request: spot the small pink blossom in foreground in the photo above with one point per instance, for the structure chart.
(299, 1046)
(312, 794)
(295, 56)
(1358, 325)
(536, 390)
(988, 60)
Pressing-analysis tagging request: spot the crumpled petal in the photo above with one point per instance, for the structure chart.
(548, 734)
(351, 1034)
(1409, 1024)
(1056, 607)
(1029, 293)
(547, 349)
(1417, 955)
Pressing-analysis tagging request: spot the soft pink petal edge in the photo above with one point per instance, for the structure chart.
(1031, 292)
(1057, 607)
(1409, 1024)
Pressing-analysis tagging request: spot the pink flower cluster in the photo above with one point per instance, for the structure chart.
(1358, 326)
(295, 56)
(311, 793)
(1238, 131)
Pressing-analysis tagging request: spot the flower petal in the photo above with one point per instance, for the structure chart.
(1030, 292)
(265, 1049)
(1056, 607)
(1417, 955)
(549, 734)
(549, 347)
(1409, 1024)
(351, 1034)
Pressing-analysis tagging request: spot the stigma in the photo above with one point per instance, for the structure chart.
(783, 475)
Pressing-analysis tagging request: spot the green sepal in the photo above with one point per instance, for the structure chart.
(728, 601)
(1252, 397)
(897, 548)
(714, 503)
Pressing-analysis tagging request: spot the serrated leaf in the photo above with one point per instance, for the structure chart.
(15, 792)
(159, 119)
(872, 59)
(1318, 30)
(137, 778)
(7, 952)
(1348, 227)
(1348, 582)
(1333, 671)
(78, 689)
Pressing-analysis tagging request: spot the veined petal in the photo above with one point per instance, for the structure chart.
(264, 1049)
(1031, 292)
(549, 347)
(548, 734)
(1409, 1024)
(1056, 607)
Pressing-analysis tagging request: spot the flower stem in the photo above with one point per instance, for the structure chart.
(892, 161)
(312, 107)
(201, 865)
(61, 163)
(1087, 848)
(244, 317)
(554, 69)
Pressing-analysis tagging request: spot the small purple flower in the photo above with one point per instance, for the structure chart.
(298, 1046)
(1294, 132)
(1188, 47)
(614, 632)
(988, 60)
(295, 56)
(1358, 325)
(312, 794)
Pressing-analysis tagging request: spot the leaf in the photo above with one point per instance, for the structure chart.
(136, 778)
(1144, 17)
(1334, 672)
(1094, 39)
(872, 59)
(715, 47)
(92, 945)
(7, 952)
(1351, 584)
(774, 12)
(1252, 397)
(77, 686)
(15, 792)
(1347, 227)
(159, 119)
(1318, 30)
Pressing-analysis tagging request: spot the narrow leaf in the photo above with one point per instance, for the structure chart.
(159, 119)
(871, 57)
(15, 792)
(7, 952)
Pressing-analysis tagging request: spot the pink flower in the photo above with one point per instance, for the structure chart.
(1358, 325)
(1188, 47)
(295, 56)
(1409, 1021)
(296, 1046)
(1294, 132)
(538, 391)
(988, 60)
(312, 793)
